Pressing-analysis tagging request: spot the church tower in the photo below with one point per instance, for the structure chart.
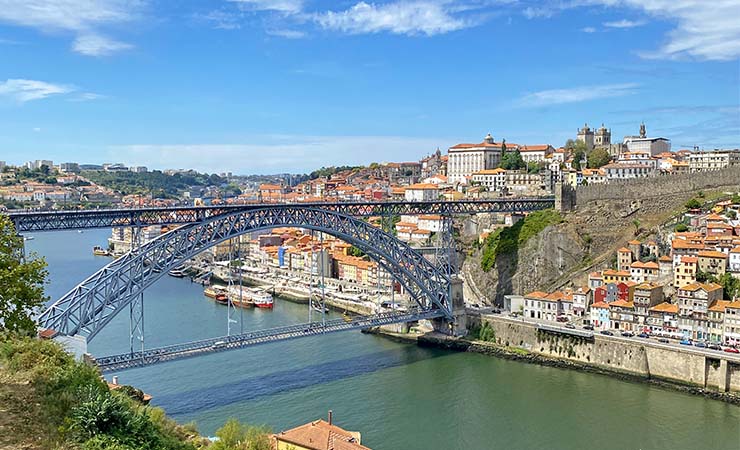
(586, 135)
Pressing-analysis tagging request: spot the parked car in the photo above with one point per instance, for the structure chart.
(496, 311)
(643, 335)
(562, 319)
(714, 347)
(700, 345)
(685, 342)
(607, 333)
(731, 350)
(570, 325)
(218, 344)
(628, 334)
(663, 340)
(588, 327)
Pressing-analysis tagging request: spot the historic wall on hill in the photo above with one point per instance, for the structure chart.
(645, 188)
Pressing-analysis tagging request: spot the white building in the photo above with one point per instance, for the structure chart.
(644, 144)
(493, 179)
(618, 171)
(644, 158)
(714, 160)
(535, 153)
(654, 146)
(734, 261)
(466, 159)
(421, 192)
(34, 165)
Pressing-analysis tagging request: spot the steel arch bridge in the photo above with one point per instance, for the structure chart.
(87, 308)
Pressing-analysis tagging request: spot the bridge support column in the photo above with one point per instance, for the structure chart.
(458, 326)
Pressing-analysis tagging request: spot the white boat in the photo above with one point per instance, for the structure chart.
(262, 298)
(27, 238)
(177, 272)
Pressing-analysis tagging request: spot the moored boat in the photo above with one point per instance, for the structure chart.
(100, 251)
(177, 272)
(217, 293)
(262, 298)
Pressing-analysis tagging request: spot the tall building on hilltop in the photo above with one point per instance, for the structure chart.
(466, 159)
(586, 135)
(645, 144)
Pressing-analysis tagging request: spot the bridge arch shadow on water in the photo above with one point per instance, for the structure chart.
(92, 304)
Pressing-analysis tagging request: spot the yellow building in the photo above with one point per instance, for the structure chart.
(615, 276)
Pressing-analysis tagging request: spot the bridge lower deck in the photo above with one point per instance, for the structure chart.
(218, 344)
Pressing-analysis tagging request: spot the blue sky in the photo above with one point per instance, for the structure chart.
(266, 86)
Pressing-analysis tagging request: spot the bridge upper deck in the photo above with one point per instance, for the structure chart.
(120, 217)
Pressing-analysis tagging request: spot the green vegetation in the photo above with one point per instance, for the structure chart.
(730, 284)
(578, 149)
(731, 214)
(512, 160)
(482, 332)
(508, 240)
(51, 401)
(735, 199)
(236, 436)
(76, 410)
(694, 203)
(44, 174)
(354, 251)
(681, 227)
(598, 157)
(21, 282)
(329, 171)
(156, 183)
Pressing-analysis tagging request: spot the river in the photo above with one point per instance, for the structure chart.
(399, 396)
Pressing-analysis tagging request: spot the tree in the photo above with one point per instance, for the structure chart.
(512, 160)
(598, 157)
(578, 149)
(21, 282)
(681, 227)
(731, 286)
(236, 436)
(636, 224)
(354, 251)
(693, 204)
(736, 199)
(731, 214)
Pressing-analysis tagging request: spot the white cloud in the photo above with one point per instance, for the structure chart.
(273, 154)
(577, 94)
(37, 129)
(624, 23)
(26, 90)
(588, 30)
(81, 17)
(97, 45)
(410, 18)
(537, 12)
(284, 6)
(288, 34)
(707, 30)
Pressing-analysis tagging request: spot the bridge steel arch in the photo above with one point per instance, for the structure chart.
(92, 304)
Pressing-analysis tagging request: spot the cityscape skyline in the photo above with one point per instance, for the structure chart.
(264, 86)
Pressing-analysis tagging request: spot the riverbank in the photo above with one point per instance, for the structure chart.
(505, 350)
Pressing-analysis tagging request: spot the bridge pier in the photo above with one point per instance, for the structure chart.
(458, 326)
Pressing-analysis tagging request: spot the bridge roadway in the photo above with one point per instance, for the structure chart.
(217, 344)
(26, 221)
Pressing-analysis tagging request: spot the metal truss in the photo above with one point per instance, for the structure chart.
(124, 217)
(88, 307)
(197, 348)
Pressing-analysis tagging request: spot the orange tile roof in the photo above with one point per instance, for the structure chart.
(709, 287)
(645, 265)
(665, 258)
(423, 186)
(496, 171)
(634, 242)
(537, 294)
(534, 148)
(616, 273)
(665, 307)
(735, 250)
(689, 259)
(683, 245)
(622, 304)
(321, 435)
(624, 250)
(712, 254)
(600, 305)
(719, 305)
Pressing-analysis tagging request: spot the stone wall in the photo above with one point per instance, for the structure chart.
(675, 365)
(645, 188)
